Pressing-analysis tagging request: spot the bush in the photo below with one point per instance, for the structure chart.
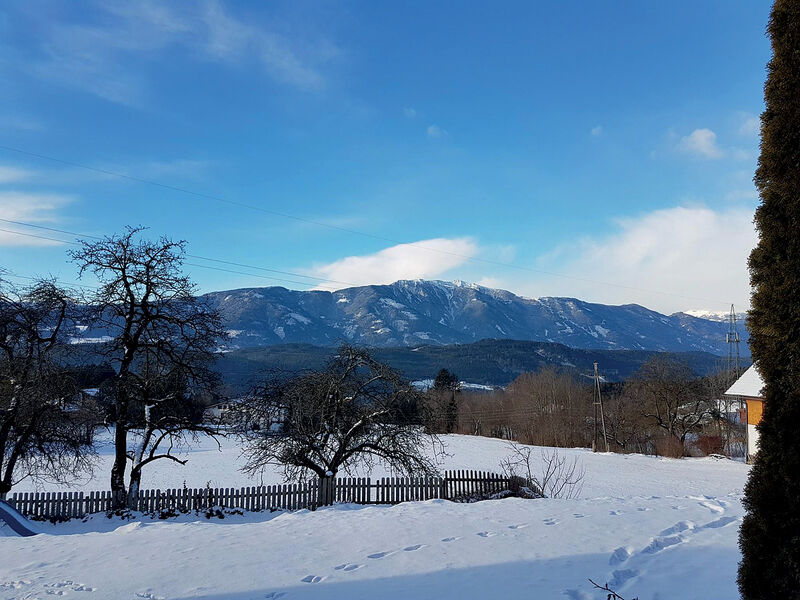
(551, 475)
(710, 444)
(669, 446)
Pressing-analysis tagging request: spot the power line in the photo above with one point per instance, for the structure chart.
(40, 237)
(198, 257)
(195, 256)
(284, 215)
(52, 239)
(29, 278)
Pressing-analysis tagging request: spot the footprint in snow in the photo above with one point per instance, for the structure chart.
(312, 579)
(13, 585)
(713, 507)
(451, 539)
(578, 515)
(148, 596)
(413, 548)
(620, 555)
(486, 534)
(549, 521)
(660, 543)
(614, 513)
(721, 522)
(678, 528)
(621, 576)
(274, 595)
(59, 589)
(379, 555)
(643, 509)
(348, 567)
(519, 526)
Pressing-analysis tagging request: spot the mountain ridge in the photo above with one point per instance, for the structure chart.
(410, 313)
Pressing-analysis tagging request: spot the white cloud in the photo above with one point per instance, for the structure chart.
(597, 130)
(425, 259)
(102, 58)
(696, 255)
(31, 208)
(13, 174)
(409, 112)
(434, 131)
(701, 142)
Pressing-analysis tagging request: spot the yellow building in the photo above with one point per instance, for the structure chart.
(748, 389)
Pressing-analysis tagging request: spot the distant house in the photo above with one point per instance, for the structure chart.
(220, 413)
(748, 388)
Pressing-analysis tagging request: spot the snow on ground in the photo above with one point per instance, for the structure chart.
(654, 528)
(616, 475)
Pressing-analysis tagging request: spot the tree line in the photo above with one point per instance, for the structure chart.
(664, 408)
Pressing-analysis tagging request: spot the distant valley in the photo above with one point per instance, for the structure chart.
(487, 362)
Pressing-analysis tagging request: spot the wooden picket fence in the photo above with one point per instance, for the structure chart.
(454, 485)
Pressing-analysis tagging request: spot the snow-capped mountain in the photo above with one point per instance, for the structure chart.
(418, 312)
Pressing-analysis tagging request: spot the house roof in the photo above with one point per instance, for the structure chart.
(749, 384)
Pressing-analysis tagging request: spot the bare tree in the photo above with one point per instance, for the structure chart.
(552, 474)
(159, 330)
(355, 412)
(671, 397)
(626, 427)
(545, 408)
(167, 416)
(42, 428)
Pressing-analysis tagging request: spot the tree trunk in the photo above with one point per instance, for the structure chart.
(326, 494)
(5, 487)
(118, 494)
(133, 489)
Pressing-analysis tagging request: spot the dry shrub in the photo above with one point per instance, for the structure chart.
(669, 446)
(545, 408)
(710, 444)
(551, 475)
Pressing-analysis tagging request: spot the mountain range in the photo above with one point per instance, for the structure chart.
(413, 313)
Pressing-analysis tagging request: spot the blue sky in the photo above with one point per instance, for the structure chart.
(605, 150)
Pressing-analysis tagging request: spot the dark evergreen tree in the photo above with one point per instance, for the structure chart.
(770, 534)
(445, 380)
(446, 385)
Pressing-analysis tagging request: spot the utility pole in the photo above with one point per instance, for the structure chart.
(598, 406)
(732, 339)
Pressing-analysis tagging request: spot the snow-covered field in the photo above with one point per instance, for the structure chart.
(654, 528)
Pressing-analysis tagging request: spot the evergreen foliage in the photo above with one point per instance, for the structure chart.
(770, 534)
(446, 385)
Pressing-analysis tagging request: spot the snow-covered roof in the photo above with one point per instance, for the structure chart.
(749, 384)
